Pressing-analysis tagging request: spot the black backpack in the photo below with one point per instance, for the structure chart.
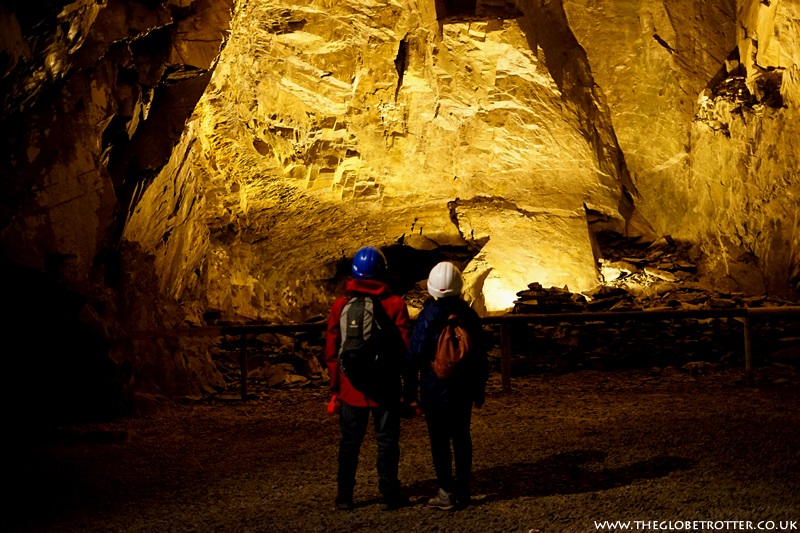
(368, 352)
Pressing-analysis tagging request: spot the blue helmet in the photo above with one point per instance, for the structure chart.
(368, 263)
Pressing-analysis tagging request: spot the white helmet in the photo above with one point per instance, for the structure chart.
(444, 280)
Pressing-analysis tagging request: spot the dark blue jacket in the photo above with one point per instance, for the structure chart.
(469, 382)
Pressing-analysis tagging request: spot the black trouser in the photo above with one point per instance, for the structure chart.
(354, 421)
(451, 424)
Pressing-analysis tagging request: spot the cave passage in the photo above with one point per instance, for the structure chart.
(409, 267)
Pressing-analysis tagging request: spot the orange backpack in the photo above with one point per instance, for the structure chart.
(454, 344)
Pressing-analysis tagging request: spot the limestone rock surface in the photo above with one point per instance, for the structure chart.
(330, 127)
(699, 154)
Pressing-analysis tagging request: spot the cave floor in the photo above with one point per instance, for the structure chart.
(559, 453)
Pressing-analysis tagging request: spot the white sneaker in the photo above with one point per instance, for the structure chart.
(443, 500)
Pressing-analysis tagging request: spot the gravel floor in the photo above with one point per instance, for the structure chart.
(558, 454)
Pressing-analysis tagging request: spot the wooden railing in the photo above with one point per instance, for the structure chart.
(505, 322)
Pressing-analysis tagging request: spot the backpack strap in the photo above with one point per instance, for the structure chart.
(454, 319)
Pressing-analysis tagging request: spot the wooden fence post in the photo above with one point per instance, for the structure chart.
(243, 365)
(505, 356)
(748, 352)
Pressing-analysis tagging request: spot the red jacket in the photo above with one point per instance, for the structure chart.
(395, 307)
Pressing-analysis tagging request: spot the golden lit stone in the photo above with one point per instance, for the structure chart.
(347, 125)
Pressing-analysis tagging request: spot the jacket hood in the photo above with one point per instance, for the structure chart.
(368, 286)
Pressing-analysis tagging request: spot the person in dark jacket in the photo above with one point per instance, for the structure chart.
(354, 406)
(447, 403)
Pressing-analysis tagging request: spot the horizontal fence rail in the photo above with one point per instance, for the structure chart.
(505, 322)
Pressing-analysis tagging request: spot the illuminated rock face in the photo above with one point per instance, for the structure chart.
(711, 167)
(332, 127)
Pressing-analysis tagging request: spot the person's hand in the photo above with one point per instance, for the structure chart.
(479, 400)
(335, 405)
(409, 410)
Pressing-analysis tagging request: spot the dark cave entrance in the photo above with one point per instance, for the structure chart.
(409, 268)
(453, 8)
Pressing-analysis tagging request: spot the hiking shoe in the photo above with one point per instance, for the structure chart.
(443, 500)
(344, 505)
(344, 501)
(391, 503)
(462, 502)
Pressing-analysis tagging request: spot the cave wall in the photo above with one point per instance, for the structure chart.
(704, 104)
(94, 97)
(169, 161)
(510, 128)
(332, 125)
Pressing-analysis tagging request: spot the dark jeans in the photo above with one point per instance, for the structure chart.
(354, 421)
(451, 424)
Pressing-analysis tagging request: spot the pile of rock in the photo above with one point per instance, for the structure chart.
(734, 89)
(656, 276)
(273, 360)
(553, 300)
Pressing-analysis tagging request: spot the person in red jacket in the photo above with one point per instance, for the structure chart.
(383, 400)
